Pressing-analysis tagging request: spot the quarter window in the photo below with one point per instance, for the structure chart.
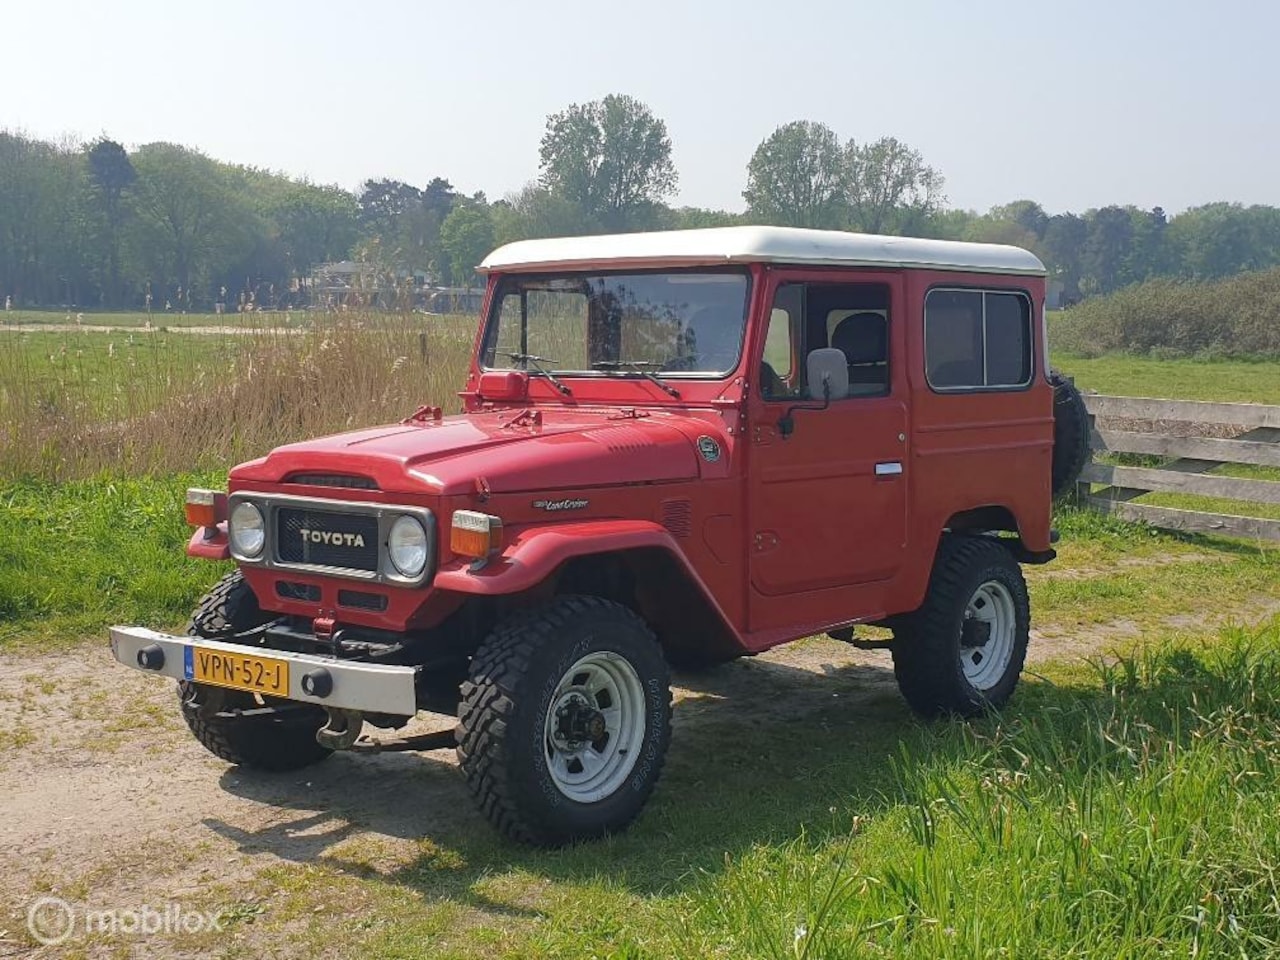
(977, 339)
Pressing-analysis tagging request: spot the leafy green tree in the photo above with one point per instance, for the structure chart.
(384, 202)
(889, 187)
(1106, 249)
(42, 249)
(1220, 239)
(1027, 214)
(112, 174)
(796, 177)
(688, 218)
(189, 225)
(316, 224)
(994, 228)
(535, 211)
(610, 158)
(1063, 249)
(945, 224)
(466, 236)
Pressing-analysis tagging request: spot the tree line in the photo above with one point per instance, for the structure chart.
(96, 225)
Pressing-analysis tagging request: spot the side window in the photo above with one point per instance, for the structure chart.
(779, 373)
(851, 318)
(976, 339)
(1008, 337)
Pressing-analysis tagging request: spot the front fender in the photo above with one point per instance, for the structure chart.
(210, 543)
(536, 552)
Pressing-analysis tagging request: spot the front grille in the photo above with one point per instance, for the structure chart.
(361, 600)
(348, 540)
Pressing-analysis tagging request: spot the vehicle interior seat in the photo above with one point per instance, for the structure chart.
(863, 338)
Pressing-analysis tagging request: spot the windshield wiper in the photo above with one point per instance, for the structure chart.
(638, 366)
(528, 358)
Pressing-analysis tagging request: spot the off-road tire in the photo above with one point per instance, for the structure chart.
(1070, 435)
(280, 739)
(502, 719)
(926, 644)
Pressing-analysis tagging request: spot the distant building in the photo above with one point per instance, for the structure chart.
(356, 283)
(452, 300)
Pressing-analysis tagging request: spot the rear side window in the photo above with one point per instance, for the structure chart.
(977, 339)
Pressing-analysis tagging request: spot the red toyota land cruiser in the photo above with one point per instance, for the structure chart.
(676, 448)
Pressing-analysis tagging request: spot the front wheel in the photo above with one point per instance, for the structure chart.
(565, 720)
(268, 735)
(963, 650)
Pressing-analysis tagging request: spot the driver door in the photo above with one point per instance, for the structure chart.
(827, 485)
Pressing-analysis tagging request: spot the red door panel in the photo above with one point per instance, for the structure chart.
(828, 502)
(823, 515)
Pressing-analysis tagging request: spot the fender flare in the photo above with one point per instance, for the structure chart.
(536, 552)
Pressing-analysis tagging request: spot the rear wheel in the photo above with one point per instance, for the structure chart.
(565, 721)
(963, 650)
(264, 734)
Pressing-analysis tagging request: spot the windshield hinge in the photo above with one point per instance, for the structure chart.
(425, 413)
(628, 413)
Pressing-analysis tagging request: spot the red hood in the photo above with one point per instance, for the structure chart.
(569, 448)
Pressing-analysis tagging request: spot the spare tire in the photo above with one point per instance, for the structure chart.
(1070, 434)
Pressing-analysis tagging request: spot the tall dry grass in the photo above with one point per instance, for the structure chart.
(142, 402)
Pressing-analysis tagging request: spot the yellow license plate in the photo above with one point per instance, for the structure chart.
(240, 671)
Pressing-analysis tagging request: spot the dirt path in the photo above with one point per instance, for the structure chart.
(109, 801)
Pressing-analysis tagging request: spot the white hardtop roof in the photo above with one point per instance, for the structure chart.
(720, 245)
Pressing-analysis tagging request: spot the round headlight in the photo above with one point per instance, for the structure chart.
(248, 530)
(407, 546)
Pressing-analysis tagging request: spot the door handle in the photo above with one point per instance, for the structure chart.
(891, 468)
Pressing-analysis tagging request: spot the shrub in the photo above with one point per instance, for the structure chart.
(1238, 317)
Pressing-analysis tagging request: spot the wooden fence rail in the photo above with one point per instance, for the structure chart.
(1140, 425)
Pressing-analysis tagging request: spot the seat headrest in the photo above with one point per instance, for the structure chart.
(827, 364)
(862, 338)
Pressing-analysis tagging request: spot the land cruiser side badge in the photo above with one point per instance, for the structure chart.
(709, 448)
(553, 506)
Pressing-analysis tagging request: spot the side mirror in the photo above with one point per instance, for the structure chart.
(787, 423)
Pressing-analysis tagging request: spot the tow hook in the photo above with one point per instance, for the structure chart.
(342, 730)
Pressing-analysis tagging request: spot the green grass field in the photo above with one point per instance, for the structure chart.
(1228, 381)
(157, 319)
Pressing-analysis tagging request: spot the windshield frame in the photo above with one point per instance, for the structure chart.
(503, 282)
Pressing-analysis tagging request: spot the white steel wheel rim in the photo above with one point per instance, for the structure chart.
(984, 664)
(604, 688)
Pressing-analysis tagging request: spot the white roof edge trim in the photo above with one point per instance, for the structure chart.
(730, 245)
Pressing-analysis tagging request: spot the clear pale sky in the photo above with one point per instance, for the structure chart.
(1072, 104)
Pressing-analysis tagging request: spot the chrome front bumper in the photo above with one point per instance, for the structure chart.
(366, 687)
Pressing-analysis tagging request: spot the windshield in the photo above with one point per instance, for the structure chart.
(676, 323)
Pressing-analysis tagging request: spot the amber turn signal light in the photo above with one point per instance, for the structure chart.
(475, 534)
(205, 508)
